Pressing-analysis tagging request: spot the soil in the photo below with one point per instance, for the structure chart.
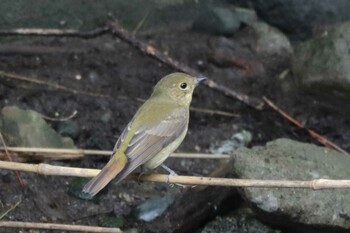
(110, 67)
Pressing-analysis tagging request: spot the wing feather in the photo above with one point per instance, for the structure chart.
(149, 140)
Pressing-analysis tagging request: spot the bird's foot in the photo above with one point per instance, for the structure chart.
(171, 173)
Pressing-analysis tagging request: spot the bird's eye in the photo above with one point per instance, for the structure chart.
(183, 86)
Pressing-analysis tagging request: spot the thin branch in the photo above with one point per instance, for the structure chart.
(140, 24)
(52, 85)
(324, 141)
(55, 226)
(46, 169)
(213, 112)
(151, 51)
(10, 158)
(54, 153)
(74, 113)
(54, 32)
(10, 209)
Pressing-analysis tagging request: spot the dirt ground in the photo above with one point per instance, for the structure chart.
(111, 67)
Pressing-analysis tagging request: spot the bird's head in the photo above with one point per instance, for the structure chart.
(178, 87)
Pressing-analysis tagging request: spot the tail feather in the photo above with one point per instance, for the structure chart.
(111, 170)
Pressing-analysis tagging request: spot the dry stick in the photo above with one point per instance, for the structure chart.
(52, 85)
(151, 51)
(74, 113)
(55, 226)
(54, 32)
(46, 169)
(216, 112)
(312, 133)
(78, 153)
(10, 158)
(9, 210)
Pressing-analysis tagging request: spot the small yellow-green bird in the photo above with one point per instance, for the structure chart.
(156, 130)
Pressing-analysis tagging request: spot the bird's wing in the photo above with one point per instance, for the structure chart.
(150, 140)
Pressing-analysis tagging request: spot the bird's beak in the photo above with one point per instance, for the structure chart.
(200, 79)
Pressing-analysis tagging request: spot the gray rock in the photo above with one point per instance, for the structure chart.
(298, 17)
(284, 159)
(28, 129)
(322, 64)
(236, 224)
(271, 44)
(245, 15)
(217, 21)
(107, 116)
(152, 208)
(68, 128)
(237, 140)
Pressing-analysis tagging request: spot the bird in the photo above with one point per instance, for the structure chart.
(156, 130)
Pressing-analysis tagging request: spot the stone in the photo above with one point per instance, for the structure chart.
(27, 128)
(299, 18)
(237, 224)
(285, 159)
(68, 128)
(271, 44)
(322, 66)
(237, 140)
(217, 21)
(152, 208)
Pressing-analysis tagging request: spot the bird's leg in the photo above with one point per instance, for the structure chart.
(141, 173)
(171, 173)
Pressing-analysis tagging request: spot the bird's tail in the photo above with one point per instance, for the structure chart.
(112, 168)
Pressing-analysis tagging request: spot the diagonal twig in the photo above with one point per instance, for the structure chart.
(324, 141)
(10, 209)
(151, 51)
(10, 158)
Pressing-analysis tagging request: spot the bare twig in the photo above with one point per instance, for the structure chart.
(10, 158)
(213, 112)
(46, 169)
(140, 24)
(151, 51)
(52, 85)
(312, 133)
(20, 49)
(55, 226)
(74, 113)
(53, 32)
(53, 153)
(10, 209)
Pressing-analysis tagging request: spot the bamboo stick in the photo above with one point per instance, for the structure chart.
(78, 153)
(46, 169)
(55, 226)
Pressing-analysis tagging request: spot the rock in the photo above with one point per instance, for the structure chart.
(217, 21)
(245, 15)
(237, 224)
(298, 18)
(284, 159)
(106, 116)
(321, 65)
(111, 220)
(28, 129)
(229, 146)
(68, 128)
(271, 45)
(77, 185)
(152, 208)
